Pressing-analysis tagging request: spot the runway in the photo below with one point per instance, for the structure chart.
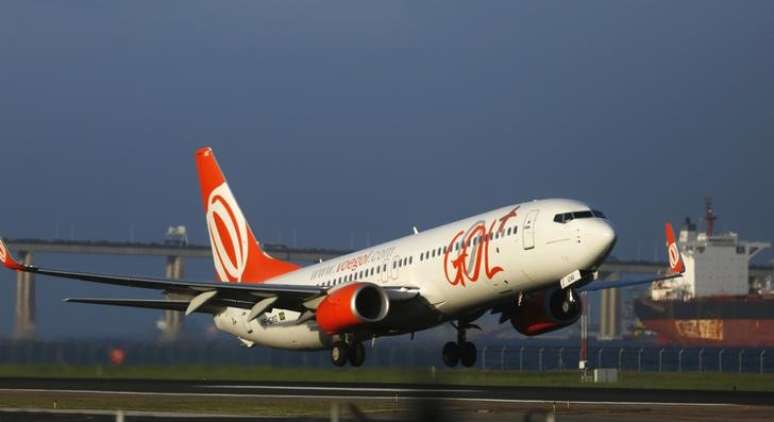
(394, 392)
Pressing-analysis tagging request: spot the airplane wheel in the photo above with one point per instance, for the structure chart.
(339, 354)
(468, 354)
(357, 354)
(451, 354)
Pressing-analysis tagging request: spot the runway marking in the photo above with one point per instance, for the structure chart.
(130, 413)
(355, 397)
(324, 388)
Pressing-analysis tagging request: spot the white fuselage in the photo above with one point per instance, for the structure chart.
(460, 268)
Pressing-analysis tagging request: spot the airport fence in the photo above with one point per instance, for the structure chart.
(410, 355)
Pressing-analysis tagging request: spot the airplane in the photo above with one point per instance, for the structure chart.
(526, 262)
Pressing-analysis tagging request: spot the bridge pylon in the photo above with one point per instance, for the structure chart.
(24, 324)
(173, 320)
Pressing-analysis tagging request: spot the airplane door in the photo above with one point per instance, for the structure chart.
(529, 229)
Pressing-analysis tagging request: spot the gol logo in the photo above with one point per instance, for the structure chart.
(228, 234)
(472, 249)
(3, 252)
(674, 256)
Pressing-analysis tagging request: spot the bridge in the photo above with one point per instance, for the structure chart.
(175, 252)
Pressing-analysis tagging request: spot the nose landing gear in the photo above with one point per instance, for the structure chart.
(462, 351)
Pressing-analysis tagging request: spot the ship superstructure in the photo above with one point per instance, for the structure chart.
(714, 302)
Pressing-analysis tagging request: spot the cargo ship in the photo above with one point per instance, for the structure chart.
(715, 303)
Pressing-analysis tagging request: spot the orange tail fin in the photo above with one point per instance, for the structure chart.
(675, 260)
(237, 254)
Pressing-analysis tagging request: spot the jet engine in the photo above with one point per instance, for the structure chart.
(545, 311)
(351, 306)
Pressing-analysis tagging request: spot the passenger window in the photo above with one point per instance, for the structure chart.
(509, 231)
(515, 228)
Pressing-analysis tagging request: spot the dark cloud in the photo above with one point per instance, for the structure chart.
(355, 120)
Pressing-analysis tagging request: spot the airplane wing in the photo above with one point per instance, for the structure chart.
(201, 296)
(676, 268)
(604, 285)
(200, 293)
(172, 305)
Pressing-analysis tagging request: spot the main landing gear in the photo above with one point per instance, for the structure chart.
(462, 351)
(352, 352)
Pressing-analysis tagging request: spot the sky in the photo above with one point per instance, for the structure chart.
(340, 124)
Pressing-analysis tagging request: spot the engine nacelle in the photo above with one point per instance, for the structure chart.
(545, 311)
(351, 306)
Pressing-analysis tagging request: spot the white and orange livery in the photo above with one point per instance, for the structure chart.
(523, 261)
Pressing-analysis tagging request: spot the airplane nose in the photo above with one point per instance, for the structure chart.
(602, 238)
(606, 234)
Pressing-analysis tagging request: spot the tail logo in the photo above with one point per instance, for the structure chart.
(3, 252)
(674, 256)
(228, 234)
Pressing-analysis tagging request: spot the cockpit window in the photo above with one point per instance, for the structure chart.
(569, 216)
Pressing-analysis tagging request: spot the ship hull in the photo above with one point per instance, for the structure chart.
(724, 321)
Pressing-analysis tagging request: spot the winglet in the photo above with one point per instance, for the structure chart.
(7, 258)
(675, 261)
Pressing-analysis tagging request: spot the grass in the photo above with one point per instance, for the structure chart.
(650, 380)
